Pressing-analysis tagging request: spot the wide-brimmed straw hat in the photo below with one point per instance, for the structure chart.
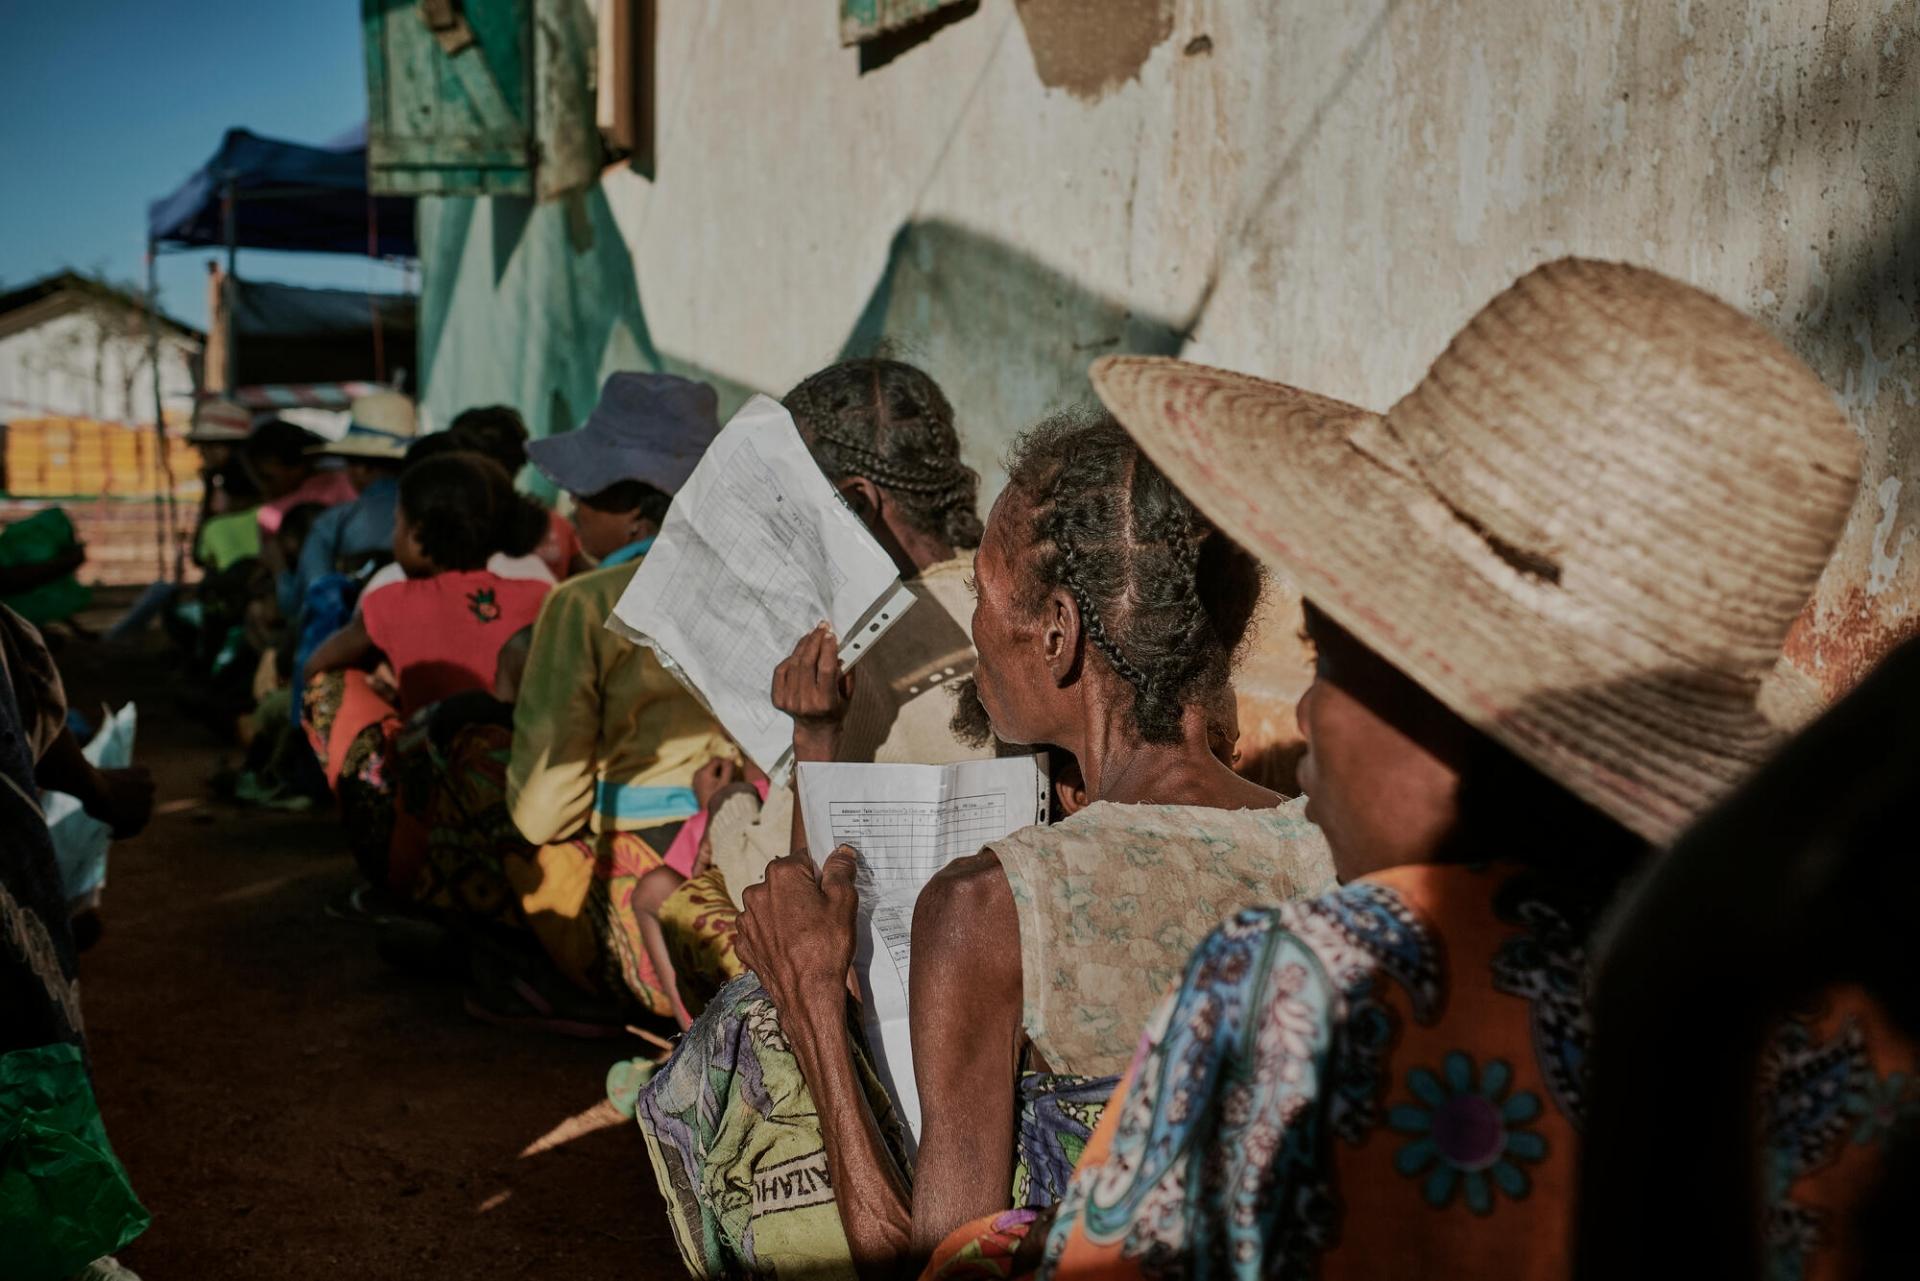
(1586, 531)
(381, 425)
(651, 428)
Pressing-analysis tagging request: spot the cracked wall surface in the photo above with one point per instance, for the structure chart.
(1316, 193)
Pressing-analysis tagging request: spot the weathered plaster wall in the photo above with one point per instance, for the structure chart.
(91, 361)
(1318, 193)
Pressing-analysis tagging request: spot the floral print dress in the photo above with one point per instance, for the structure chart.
(1387, 1080)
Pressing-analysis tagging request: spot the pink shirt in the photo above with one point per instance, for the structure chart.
(443, 634)
(328, 488)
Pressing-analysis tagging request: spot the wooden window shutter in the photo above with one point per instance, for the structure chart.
(450, 97)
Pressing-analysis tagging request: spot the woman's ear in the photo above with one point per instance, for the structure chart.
(1060, 635)
(1069, 788)
(863, 496)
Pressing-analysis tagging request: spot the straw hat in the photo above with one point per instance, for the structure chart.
(1586, 531)
(220, 420)
(381, 425)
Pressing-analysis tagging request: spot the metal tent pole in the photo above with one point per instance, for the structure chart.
(231, 216)
(169, 532)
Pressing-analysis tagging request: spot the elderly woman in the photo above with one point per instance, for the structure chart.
(1107, 620)
(1546, 588)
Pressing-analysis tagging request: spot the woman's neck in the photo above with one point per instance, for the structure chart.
(1119, 766)
(911, 548)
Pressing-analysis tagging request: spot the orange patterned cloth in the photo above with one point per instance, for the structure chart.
(1388, 1079)
(574, 896)
(354, 732)
(700, 923)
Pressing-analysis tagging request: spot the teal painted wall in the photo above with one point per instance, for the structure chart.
(532, 305)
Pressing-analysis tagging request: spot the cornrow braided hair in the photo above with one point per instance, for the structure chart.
(1165, 599)
(889, 422)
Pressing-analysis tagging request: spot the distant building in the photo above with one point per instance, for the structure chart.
(77, 416)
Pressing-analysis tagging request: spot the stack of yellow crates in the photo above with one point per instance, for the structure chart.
(84, 457)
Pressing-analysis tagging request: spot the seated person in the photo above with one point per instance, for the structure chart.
(352, 533)
(883, 433)
(1805, 962)
(229, 531)
(283, 461)
(499, 432)
(515, 564)
(440, 632)
(279, 769)
(39, 970)
(36, 554)
(555, 815)
(220, 428)
(1522, 686)
(1108, 616)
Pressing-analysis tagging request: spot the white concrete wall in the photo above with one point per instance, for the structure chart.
(91, 363)
(1320, 193)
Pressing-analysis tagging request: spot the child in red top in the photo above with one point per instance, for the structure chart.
(442, 629)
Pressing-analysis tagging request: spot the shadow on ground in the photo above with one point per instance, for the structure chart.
(287, 1105)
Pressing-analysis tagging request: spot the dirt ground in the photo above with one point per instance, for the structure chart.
(290, 1107)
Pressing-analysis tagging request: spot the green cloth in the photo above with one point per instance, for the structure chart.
(34, 541)
(64, 1197)
(227, 539)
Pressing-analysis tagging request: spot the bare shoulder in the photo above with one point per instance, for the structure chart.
(967, 885)
(966, 913)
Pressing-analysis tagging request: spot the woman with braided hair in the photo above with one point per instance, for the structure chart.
(882, 432)
(1107, 619)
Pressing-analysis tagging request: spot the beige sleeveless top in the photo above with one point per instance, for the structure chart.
(1113, 899)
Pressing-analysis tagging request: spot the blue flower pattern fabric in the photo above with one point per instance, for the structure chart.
(1358, 1084)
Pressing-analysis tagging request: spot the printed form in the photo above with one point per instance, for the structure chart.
(755, 551)
(907, 822)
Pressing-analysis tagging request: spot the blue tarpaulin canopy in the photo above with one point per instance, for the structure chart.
(289, 334)
(286, 196)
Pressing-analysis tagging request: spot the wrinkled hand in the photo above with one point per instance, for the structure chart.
(123, 800)
(718, 772)
(797, 932)
(810, 686)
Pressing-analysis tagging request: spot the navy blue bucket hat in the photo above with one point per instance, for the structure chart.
(647, 427)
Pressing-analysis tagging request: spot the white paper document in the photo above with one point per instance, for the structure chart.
(79, 840)
(755, 551)
(907, 822)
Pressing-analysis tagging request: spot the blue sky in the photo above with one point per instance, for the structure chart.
(107, 104)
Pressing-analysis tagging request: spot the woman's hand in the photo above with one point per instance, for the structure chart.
(717, 773)
(797, 933)
(122, 799)
(810, 686)
(720, 780)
